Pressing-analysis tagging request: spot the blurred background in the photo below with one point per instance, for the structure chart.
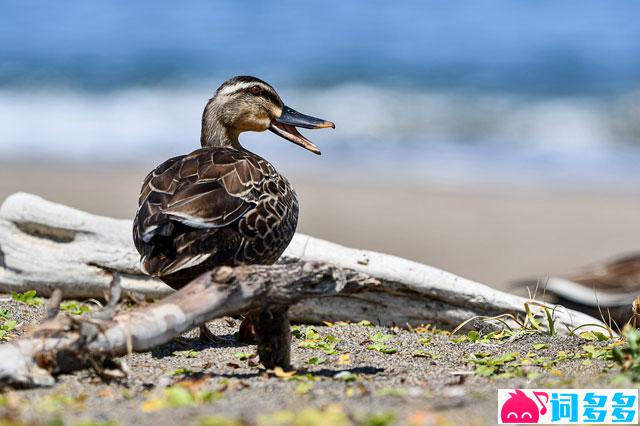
(492, 139)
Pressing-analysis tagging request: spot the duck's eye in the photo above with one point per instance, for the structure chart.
(256, 90)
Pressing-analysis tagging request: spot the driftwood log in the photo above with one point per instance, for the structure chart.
(66, 343)
(46, 246)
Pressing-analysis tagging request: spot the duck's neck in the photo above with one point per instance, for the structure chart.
(214, 132)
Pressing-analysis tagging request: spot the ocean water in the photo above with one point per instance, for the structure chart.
(540, 92)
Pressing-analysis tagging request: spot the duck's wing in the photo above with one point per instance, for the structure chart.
(596, 288)
(189, 204)
(618, 276)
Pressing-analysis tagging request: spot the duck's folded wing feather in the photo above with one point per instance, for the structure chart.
(190, 202)
(620, 275)
(605, 284)
(206, 205)
(201, 190)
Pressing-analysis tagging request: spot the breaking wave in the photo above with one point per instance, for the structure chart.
(589, 137)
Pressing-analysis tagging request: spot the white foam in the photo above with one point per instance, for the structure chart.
(464, 127)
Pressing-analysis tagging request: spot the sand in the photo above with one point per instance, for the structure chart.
(489, 234)
(366, 387)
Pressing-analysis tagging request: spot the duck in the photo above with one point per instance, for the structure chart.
(222, 205)
(608, 290)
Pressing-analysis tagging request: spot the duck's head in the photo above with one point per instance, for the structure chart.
(248, 104)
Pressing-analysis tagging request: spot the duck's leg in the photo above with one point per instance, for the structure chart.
(273, 335)
(247, 332)
(207, 335)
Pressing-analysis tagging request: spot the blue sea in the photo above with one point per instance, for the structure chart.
(516, 92)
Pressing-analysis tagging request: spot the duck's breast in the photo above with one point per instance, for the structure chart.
(270, 226)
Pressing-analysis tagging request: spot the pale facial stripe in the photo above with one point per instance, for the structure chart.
(242, 85)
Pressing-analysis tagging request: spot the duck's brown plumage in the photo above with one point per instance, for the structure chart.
(601, 290)
(221, 204)
(215, 206)
(619, 275)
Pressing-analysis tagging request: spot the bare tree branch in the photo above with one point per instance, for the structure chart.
(67, 343)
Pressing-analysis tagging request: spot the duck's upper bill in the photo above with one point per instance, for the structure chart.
(285, 126)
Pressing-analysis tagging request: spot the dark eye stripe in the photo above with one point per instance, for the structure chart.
(271, 97)
(267, 94)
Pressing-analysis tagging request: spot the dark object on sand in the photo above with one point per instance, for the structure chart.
(600, 290)
(221, 204)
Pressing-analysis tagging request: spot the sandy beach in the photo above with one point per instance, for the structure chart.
(424, 378)
(492, 235)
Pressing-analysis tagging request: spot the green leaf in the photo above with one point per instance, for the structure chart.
(425, 354)
(380, 338)
(315, 360)
(6, 327)
(9, 325)
(594, 336)
(296, 331)
(538, 346)
(424, 341)
(28, 297)
(473, 336)
(381, 347)
(74, 308)
(331, 339)
(504, 358)
(550, 321)
(209, 395)
(593, 352)
(189, 353)
(179, 397)
(326, 345)
(485, 370)
(530, 318)
(379, 344)
(181, 371)
(311, 334)
(243, 356)
(381, 419)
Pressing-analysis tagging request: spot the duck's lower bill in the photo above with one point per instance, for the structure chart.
(285, 126)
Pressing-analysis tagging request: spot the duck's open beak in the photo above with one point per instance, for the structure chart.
(285, 126)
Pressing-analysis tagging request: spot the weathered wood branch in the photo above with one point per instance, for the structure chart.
(66, 343)
(44, 246)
